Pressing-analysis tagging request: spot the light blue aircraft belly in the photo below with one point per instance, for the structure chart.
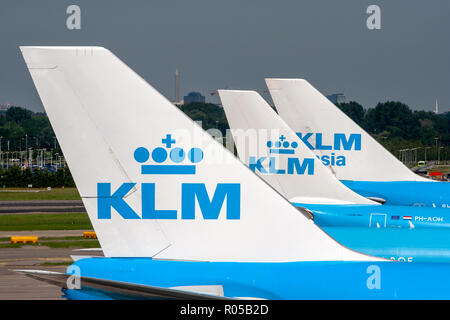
(411, 245)
(378, 216)
(405, 193)
(409, 234)
(291, 280)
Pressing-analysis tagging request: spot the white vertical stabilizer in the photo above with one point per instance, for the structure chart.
(177, 193)
(312, 115)
(260, 134)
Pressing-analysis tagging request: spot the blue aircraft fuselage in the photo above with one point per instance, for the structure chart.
(410, 245)
(288, 280)
(405, 193)
(409, 234)
(378, 216)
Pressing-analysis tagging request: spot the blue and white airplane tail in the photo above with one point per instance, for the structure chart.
(271, 149)
(153, 182)
(330, 132)
(155, 185)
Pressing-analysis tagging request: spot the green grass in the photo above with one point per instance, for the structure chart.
(43, 194)
(28, 222)
(70, 244)
(61, 238)
(10, 245)
(56, 244)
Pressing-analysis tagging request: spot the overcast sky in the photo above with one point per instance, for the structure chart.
(237, 43)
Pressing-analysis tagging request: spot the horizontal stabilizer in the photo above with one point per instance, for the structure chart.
(125, 290)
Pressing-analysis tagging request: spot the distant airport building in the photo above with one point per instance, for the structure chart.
(194, 97)
(336, 98)
(4, 107)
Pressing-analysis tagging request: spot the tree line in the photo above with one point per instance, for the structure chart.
(398, 127)
(16, 177)
(21, 128)
(392, 123)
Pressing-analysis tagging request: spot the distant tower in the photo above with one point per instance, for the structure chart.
(336, 98)
(437, 107)
(177, 86)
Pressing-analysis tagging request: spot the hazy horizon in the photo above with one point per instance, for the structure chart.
(237, 44)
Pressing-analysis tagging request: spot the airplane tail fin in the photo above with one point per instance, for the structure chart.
(330, 131)
(270, 148)
(153, 182)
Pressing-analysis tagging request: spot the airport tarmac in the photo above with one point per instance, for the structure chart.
(16, 286)
(41, 206)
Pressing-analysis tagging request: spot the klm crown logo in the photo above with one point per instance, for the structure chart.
(281, 146)
(292, 164)
(175, 161)
(180, 161)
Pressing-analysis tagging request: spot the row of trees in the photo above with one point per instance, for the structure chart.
(16, 177)
(397, 127)
(398, 120)
(211, 115)
(20, 127)
(390, 120)
(393, 124)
